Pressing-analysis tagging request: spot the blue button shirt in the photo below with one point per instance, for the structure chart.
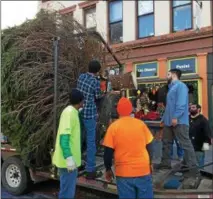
(176, 104)
(91, 89)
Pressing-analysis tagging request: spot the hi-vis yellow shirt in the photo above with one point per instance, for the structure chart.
(69, 124)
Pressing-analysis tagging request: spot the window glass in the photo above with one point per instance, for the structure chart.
(145, 7)
(116, 32)
(146, 26)
(178, 3)
(90, 17)
(182, 18)
(115, 11)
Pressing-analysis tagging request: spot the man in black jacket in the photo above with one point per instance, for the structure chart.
(199, 132)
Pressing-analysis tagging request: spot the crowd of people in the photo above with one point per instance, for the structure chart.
(133, 165)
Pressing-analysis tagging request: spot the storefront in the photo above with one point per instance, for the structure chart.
(153, 88)
(150, 59)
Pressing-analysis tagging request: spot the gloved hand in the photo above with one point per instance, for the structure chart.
(71, 165)
(205, 147)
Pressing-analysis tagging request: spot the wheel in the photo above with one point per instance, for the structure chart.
(15, 176)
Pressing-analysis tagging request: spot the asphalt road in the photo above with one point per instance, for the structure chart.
(49, 189)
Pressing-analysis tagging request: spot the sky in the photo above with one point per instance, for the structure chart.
(16, 12)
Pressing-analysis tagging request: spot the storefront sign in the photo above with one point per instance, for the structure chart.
(187, 66)
(147, 70)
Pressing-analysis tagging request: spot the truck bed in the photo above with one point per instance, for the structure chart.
(204, 188)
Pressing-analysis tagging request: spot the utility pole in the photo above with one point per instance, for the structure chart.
(55, 66)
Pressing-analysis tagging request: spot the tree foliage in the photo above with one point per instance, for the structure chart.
(28, 78)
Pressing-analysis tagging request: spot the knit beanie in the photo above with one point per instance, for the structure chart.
(124, 107)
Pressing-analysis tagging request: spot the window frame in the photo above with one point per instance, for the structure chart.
(143, 15)
(84, 15)
(109, 23)
(172, 15)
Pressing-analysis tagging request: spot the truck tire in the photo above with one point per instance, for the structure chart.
(15, 176)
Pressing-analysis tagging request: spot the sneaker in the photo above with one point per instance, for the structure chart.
(93, 175)
(162, 166)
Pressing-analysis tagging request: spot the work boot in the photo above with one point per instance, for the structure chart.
(93, 175)
(162, 166)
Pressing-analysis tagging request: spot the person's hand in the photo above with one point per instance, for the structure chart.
(174, 122)
(161, 124)
(71, 165)
(109, 175)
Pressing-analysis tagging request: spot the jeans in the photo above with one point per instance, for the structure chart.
(90, 128)
(181, 133)
(200, 158)
(180, 151)
(68, 182)
(140, 187)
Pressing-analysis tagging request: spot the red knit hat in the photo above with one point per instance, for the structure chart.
(124, 107)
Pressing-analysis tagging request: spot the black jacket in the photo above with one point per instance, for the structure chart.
(199, 132)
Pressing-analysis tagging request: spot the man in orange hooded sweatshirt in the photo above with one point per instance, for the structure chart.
(130, 140)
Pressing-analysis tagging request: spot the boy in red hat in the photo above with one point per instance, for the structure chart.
(130, 140)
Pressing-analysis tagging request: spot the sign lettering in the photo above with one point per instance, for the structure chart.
(147, 70)
(187, 66)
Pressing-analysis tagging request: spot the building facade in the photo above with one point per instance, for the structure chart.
(150, 37)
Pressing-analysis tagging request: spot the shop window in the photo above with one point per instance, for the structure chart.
(90, 18)
(116, 21)
(181, 15)
(116, 70)
(145, 18)
(150, 101)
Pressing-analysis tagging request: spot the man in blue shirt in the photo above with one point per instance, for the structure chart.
(176, 122)
(89, 86)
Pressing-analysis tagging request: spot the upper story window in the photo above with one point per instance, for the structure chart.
(90, 18)
(116, 21)
(145, 18)
(181, 15)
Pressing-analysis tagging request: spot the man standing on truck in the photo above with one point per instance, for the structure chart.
(89, 85)
(200, 133)
(67, 154)
(176, 122)
(131, 142)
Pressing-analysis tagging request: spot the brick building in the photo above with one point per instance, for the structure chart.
(149, 37)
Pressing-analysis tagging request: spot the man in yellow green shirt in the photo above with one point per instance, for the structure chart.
(67, 154)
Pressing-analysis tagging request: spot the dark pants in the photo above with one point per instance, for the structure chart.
(181, 133)
(131, 188)
(68, 182)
